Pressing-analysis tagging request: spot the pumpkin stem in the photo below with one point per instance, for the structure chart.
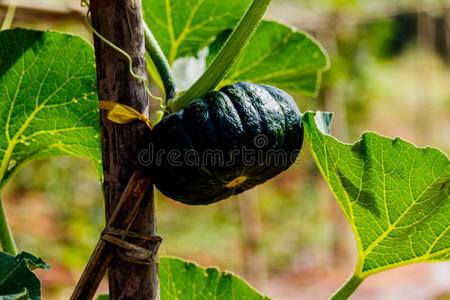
(226, 57)
(160, 62)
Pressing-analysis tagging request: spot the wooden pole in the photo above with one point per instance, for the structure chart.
(121, 23)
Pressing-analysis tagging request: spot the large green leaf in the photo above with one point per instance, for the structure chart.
(48, 99)
(183, 27)
(394, 195)
(277, 55)
(17, 281)
(180, 279)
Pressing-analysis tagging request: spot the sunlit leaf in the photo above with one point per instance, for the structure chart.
(48, 99)
(183, 27)
(181, 279)
(394, 195)
(277, 55)
(17, 281)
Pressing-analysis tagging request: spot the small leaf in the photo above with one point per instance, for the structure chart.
(277, 55)
(17, 281)
(103, 297)
(48, 99)
(181, 279)
(182, 27)
(34, 262)
(394, 195)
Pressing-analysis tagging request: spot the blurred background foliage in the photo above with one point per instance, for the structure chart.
(390, 74)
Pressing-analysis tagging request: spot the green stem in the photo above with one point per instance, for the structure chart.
(225, 58)
(6, 238)
(347, 289)
(160, 62)
(9, 16)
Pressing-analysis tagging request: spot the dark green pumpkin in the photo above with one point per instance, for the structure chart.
(224, 144)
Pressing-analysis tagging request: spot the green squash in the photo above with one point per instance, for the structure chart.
(224, 144)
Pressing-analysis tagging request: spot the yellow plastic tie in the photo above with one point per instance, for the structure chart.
(123, 114)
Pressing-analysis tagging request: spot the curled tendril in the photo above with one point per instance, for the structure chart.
(85, 3)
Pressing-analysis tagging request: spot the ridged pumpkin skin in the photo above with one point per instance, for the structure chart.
(209, 137)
